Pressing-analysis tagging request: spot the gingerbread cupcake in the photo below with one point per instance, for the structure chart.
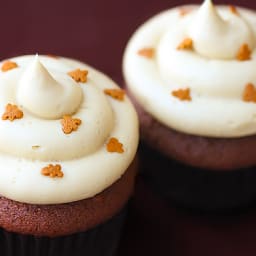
(69, 136)
(190, 71)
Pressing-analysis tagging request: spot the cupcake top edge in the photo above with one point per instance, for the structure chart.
(67, 131)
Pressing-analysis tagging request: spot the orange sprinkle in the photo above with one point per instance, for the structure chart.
(12, 112)
(147, 52)
(79, 75)
(233, 9)
(114, 145)
(186, 44)
(52, 171)
(53, 56)
(249, 93)
(117, 94)
(184, 11)
(182, 94)
(244, 53)
(70, 124)
(8, 65)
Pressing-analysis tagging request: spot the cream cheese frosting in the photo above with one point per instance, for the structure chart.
(48, 94)
(211, 70)
(42, 89)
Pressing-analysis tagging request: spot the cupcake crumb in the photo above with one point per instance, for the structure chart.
(117, 94)
(114, 145)
(8, 65)
(182, 94)
(186, 44)
(249, 94)
(79, 75)
(52, 171)
(12, 112)
(244, 53)
(147, 52)
(70, 124)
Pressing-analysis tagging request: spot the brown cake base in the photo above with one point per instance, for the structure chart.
(86, 227)
(204, 152)
(100, 241)
(197, 172)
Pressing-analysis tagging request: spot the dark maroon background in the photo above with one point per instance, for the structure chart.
(96, 32)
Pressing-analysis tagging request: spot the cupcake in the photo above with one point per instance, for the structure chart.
(69, 136)
(190, 72)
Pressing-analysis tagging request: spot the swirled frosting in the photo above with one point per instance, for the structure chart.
(44, 91)
(213, 71)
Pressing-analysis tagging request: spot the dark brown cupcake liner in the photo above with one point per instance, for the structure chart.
(99, 241)
(197, 188)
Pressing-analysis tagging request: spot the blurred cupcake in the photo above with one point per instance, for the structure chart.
(68, 138)
(191, 73)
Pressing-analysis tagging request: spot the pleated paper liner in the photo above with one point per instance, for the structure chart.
(197, 188)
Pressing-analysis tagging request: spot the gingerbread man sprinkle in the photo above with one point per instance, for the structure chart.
(114, 145)
(117, 94)
(70, 124)
(249, 93)
(244, 53)
(8, 65)
(186, 44)
(233, 9)
(184, 11)
(12, 112)
(182, 94)
(79, 75)
(52, 56)
(52, 171)
(147, 52)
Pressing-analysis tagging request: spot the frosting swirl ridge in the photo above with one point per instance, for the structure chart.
(209, 51)
(66, 122)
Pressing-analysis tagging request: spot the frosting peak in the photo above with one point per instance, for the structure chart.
(217, 35)
(45, 96)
